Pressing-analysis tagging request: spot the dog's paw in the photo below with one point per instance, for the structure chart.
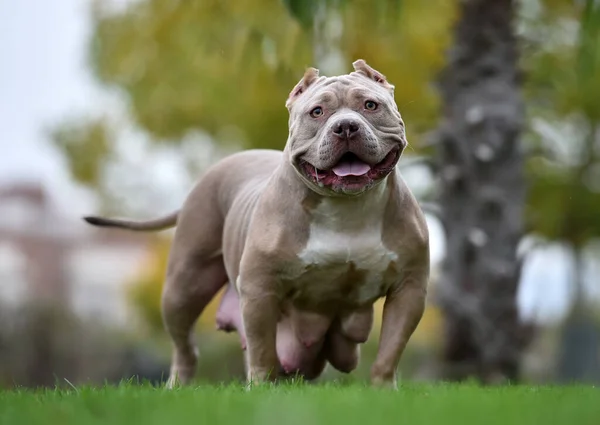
(383, 381)
(384, 384)
(257, 378)
(172, 382)
(180, 375)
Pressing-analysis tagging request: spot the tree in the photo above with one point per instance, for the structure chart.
(482, 194)
(481, 158)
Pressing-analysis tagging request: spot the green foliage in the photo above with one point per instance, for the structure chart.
(223, 67)
(563, 87)
(587, 69)
(560, 208)
(303, 10)
(85, 144)
(562, 75)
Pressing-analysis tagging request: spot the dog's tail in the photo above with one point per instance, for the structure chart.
(161, 223)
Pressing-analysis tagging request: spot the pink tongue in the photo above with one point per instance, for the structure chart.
(352, 167)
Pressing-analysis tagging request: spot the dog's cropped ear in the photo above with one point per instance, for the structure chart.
(310, 76)
(362, 68)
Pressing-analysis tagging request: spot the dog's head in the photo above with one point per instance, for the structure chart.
(346, 134)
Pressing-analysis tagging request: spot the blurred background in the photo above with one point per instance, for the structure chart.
(118, 106)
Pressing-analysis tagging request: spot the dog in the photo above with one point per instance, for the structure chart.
(306, 240)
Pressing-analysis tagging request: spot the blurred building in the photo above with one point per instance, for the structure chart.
(47, 256)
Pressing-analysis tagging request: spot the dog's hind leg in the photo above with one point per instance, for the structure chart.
(195, 275)
(188, 291)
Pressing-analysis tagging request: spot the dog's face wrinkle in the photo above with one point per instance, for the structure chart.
(313, 147)
(317, 131)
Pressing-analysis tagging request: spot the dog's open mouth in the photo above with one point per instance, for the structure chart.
(350, 172)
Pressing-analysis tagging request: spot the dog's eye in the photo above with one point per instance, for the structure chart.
(370, 105)
(317, 112)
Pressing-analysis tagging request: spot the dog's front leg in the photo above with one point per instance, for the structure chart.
(402, 312)
(259, 302)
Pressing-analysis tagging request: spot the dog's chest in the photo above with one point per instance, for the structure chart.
(345, 260)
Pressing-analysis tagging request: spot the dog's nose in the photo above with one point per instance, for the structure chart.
(346, 128)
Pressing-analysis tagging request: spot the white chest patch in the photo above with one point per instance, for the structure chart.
(349, 232)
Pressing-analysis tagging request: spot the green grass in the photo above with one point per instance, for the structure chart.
(304, 405)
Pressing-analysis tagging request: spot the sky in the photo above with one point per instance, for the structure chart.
(44, 78)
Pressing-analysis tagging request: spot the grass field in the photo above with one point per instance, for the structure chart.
(304, 404)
